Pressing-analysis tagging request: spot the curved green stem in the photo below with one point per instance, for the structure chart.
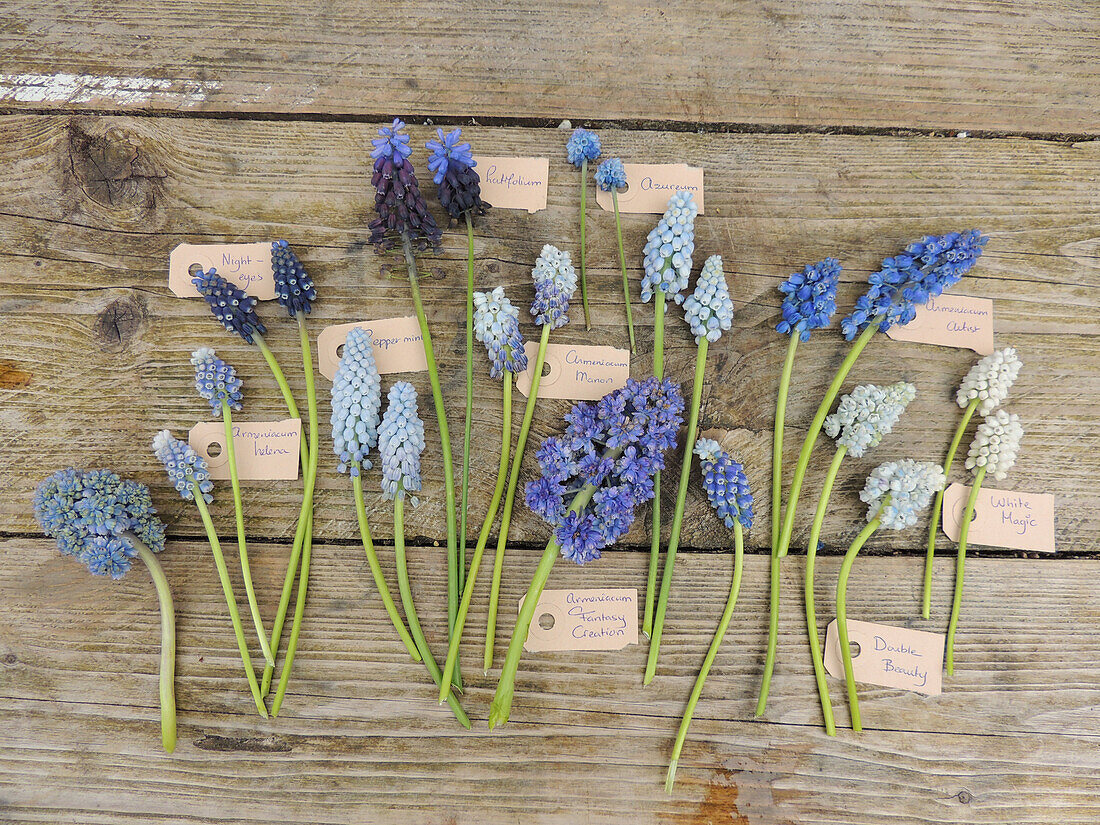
(777, 437)
(230, 598)
(842, 618)
(716, 642)
(960, 567)
(808, 588)
(242, 549)
(445, 445)
(510, 497)
(584, 249)
(937, 507)
(482, 540)
(678, 514)
(655, 529)
(167, 643)
(376, 568)
(410, 609)
(622, 265)
(467, 424)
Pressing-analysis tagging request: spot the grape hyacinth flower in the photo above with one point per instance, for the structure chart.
(497, 326)
(983, 389)
(400, 443)
(709, 313)
(555, 282)
(992, 452)
(190, 476)
(106, 522)
(583, 145)
(728, 491)
(666, 260)
(896, 492)
(594, 476)
(611, 177)
(217, 382)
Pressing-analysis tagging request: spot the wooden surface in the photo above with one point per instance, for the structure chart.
(125, 130)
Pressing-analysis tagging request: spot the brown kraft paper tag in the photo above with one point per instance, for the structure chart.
(650, 185)
(595, 619)
(514, 183)
(577, 372)
(397, 343)
(265, 450)
(892, 657)
(1018, 521)
(248, 265)
(951, 321)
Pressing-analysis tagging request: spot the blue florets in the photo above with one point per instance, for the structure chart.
(555, 282)
(184, 466)
(582, 145)
(230, 304)
(725, 482)
(293, 287)
(215, 380)
(615, 445)
(928, 267)
(400, 443)
(709, 310)
(392, 143)
(496, 325)
(453, 165)
(668, 248)
(611, 176)
(810, 298)
(448, 150)
(401, 209)
(356, 400)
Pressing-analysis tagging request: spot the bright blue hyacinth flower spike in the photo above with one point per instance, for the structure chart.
(583, 145)
(106, 523)
(611, 177)
(727, 490)
(593, 478)
(189, 474)
(400, 443)
(709, 313)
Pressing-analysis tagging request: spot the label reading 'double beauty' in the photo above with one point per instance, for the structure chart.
(650, 185)
(265, 450)
(397, 343)
(951, 321)
(514, 183)
(248, 265)
(603, 619)
(576, 372)
(1019, 521)
(893, 657)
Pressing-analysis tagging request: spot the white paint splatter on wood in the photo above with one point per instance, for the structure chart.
(86, 88)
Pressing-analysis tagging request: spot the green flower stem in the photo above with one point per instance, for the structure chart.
(622, 265)
(242, 549)
(655, 530)
(167, 644)
(678, 514)
(230, 598)
(808, 585)
(467, 425)
(777, 438)
(937, 507)
(716, 642)
(482, 540)
(410, 608)
(842, 617)
(445, 444)
(376, 568)
(815, 430)
(960, 567)
(510, 497)
(584, 249)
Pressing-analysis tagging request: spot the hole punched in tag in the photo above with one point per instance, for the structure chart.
(546, 621)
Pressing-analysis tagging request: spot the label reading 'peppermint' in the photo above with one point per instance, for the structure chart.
(397, 343)
(598, 619)
(248, 265)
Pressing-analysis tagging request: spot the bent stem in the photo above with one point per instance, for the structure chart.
(622, 265)
(482, 540)
(167, 643)
(467, 424)
(655, 537)
(242, 550)
(410, 608)
(937, 507)
(777, 437)
(716, 642)
(510, 497)
(842, 617)
(584, 249)
(678, 515)
(960, 568)
(230, 598)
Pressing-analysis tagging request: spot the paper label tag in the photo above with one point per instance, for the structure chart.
(605, 619)
(1019, 521)
(893, 657)
(265, 450)
(650, 185)
(397, 342)
(248, 265)
(577, 372)
(951, 321)
(514, 183)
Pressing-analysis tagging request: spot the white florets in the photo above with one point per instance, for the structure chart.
(995, 444)
(989, 381)
(867, 414)
(897, 491)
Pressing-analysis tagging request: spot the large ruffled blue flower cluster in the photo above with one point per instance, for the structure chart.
(401, 207)
(294, 288)
(897, 491)
(183, 466)
(867, 414)
(230, 305)
(356, 400)
(582, 145)
(611, 176)
(928, 267)
(215, 380)
(726, 484)
(453, 166)
(555, 282)
(709, 310)
(496, 325)
(400, 443)
(94, 516)
(614, 445)
(668, 248)
(810, 298)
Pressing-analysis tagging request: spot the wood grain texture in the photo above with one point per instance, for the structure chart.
(918, 64)
(361, 738)
(96, 347)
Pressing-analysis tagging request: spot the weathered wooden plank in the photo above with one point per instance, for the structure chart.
(1022, 67)
(361, 737)
(96, 355)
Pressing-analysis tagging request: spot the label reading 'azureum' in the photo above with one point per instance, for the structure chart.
(650, 185)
